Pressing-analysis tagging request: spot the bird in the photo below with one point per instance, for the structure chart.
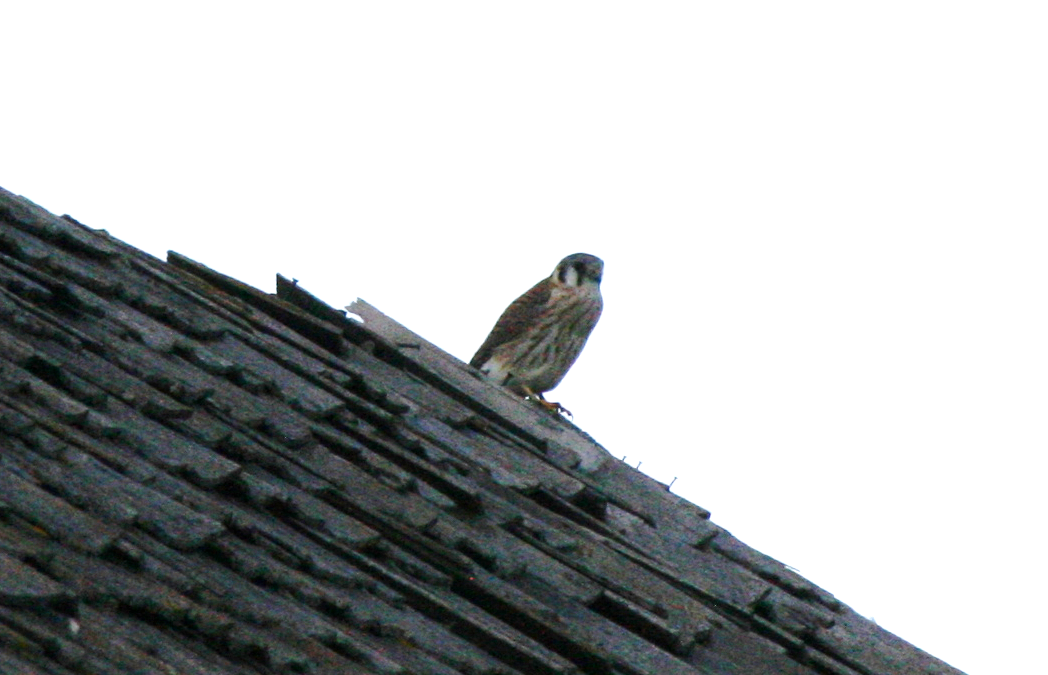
(541, 333)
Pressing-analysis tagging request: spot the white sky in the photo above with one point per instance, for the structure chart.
(823, 224)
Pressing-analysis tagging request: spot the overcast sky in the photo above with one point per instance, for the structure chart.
(824, 227)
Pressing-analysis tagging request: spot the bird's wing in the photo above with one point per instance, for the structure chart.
(522, 313)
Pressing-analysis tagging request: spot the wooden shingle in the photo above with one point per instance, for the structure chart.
(200, 477)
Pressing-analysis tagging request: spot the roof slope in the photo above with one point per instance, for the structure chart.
(199, 477)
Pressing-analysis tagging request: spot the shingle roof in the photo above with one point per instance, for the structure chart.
(200, 477)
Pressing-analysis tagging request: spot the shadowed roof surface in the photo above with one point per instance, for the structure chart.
(200, 477)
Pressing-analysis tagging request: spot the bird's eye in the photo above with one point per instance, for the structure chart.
(585, 272)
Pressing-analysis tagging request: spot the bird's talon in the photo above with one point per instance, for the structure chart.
(552, 407)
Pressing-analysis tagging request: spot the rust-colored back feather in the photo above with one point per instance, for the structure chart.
(522, 313)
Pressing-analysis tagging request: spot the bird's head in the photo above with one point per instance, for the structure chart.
(578, 269)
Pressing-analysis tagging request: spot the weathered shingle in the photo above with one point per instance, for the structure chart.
(53, 517)
(200, 477)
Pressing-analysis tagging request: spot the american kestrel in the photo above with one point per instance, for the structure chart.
(539, 336)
